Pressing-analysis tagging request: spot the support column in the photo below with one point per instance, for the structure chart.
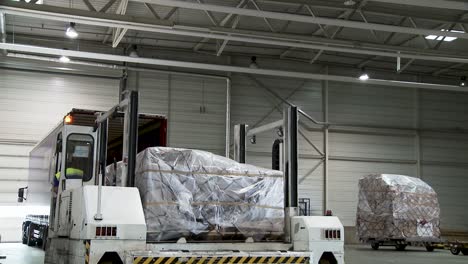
(3, 34)
(132, 137)
(417, 137)
(291, 169)
(240, 133)
(325, 144)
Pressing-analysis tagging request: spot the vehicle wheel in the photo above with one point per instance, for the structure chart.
(25, 240)
(429, 248)
(375, 245)
(455, 250)
(465, 251)
(400, 247)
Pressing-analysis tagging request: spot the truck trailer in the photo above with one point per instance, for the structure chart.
(93, 221)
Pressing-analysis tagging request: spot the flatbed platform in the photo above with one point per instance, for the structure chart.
(219, 257)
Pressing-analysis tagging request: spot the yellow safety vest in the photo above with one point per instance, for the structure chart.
(70, 172)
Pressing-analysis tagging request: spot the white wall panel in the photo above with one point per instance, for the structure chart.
(372, 146)
(181, 99)
(451, 184)
(440, 109)
(445, 155)
(154, 91)
(371, 105)
(31, 104)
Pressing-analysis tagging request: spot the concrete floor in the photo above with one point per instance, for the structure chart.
(354, 254)
(17, 253)
(363, 254)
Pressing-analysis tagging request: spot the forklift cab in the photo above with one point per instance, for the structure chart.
(74, 157)
(73, 163)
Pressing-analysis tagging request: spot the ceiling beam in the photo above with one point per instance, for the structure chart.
(442, 4)
(371, 10)
(107, 6)
(89, 5)
(339, 29)
(302, 18)
(257, 37)
(446, 69)
(152, 11)
(222, 68)
(223, 23)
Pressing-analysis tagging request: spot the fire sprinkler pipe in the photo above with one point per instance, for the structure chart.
(224, 68)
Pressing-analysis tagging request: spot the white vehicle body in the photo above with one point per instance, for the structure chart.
(92, 224)
(80, 242)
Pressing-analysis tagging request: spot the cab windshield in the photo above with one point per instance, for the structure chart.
(80, 152)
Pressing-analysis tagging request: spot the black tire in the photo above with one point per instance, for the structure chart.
(24, 240)
(455, 250)
(375, 245)
(465, 251)
(400, 247)
(429, 248)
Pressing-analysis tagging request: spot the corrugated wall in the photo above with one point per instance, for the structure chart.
(195, 107)
(445, 155)
(365, 143)
(31, 104)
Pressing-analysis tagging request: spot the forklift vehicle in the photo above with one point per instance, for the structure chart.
(92, 223)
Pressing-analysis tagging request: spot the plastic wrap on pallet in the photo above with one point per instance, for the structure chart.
(396, 207)
(192, 192)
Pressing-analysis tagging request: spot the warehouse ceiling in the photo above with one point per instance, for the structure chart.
(350, 34)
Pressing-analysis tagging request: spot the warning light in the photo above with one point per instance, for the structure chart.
(68, 119)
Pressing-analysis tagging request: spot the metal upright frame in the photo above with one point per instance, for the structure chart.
(289, 158)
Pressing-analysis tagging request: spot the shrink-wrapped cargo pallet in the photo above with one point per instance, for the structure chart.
(393, 207)
(191, 192)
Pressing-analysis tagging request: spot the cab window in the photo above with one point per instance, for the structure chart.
(80, 152)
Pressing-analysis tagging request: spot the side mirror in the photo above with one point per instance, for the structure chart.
(21, 194)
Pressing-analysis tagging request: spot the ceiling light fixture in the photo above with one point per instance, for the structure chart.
(363, 76)
(253, 62)
(133, 52)
(444, 38)
(349, 3)
(71, 31)
(64, 59)
(463, 81)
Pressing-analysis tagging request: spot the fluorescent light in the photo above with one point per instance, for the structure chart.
(133, 52)
(363, 76)
(253, 62)
(71, 31)
(38, 2)
(64, 59)
(448, 39)
(463, 81)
